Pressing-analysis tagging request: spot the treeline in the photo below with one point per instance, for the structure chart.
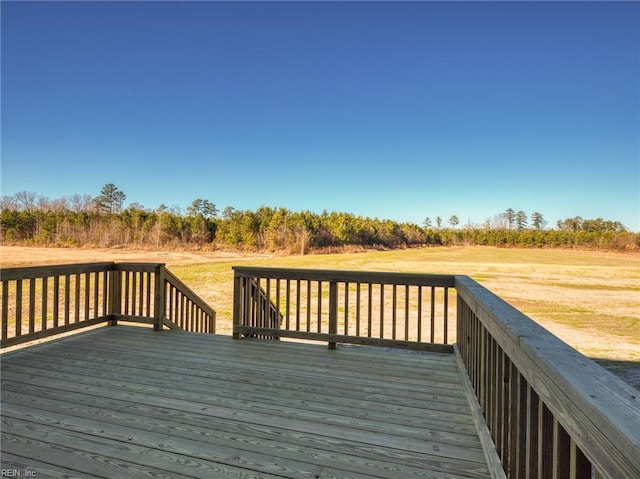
(272, 229)
(104, 222)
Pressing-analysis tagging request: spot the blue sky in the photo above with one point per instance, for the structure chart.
(397, 110)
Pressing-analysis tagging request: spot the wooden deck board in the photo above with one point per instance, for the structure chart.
(130, 402)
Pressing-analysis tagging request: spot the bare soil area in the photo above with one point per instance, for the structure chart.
(13, 256)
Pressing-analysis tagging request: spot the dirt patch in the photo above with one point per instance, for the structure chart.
(15, 256)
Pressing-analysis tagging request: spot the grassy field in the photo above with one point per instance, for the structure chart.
(589, 299)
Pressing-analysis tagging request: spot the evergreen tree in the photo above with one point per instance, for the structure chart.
(521, 220)
(111, 199)
(204, 207)
(510, 216)
(538, 221)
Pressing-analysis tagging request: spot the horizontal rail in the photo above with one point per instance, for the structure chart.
(29, 272)
(42, 301)
(43, 334)
(137, 267)
(552, 412)
(341, 338)
(385, 309)
(411, 279)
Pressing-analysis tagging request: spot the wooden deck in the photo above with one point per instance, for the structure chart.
(126, 401)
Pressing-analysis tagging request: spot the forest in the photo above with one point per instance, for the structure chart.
(104, 221)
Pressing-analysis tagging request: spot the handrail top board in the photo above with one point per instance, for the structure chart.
(348, 276)
(28, 272)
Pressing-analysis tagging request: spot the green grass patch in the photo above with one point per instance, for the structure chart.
(604, 287)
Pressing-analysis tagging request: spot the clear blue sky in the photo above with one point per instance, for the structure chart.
(383, 109)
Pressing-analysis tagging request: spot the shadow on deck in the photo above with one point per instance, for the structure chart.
(130, 402)
(628, 371)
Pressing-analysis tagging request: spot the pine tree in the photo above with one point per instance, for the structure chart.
(537, 220)
(111, 199)
(510, 216)
(521, 220)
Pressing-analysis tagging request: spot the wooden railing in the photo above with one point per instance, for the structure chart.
(386, 309)
(549, 411)
(552, 413)
(37, 302)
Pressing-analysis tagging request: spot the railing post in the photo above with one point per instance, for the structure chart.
(159, 298)
(115, 295)
(212, 323)
(237, 303)
(5, 310)
(333, 311)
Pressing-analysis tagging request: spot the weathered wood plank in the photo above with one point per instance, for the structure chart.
(219, 434)
(383, 378)
(28, 466)
(128, 379)
(124, 458)
(429, 382)
(414, 418)
(170, 397)
(207, 419)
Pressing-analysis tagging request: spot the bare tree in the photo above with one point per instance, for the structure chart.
(26, 200)
(43, 203)
(80, 203)
(59, 204)
(8, 203)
